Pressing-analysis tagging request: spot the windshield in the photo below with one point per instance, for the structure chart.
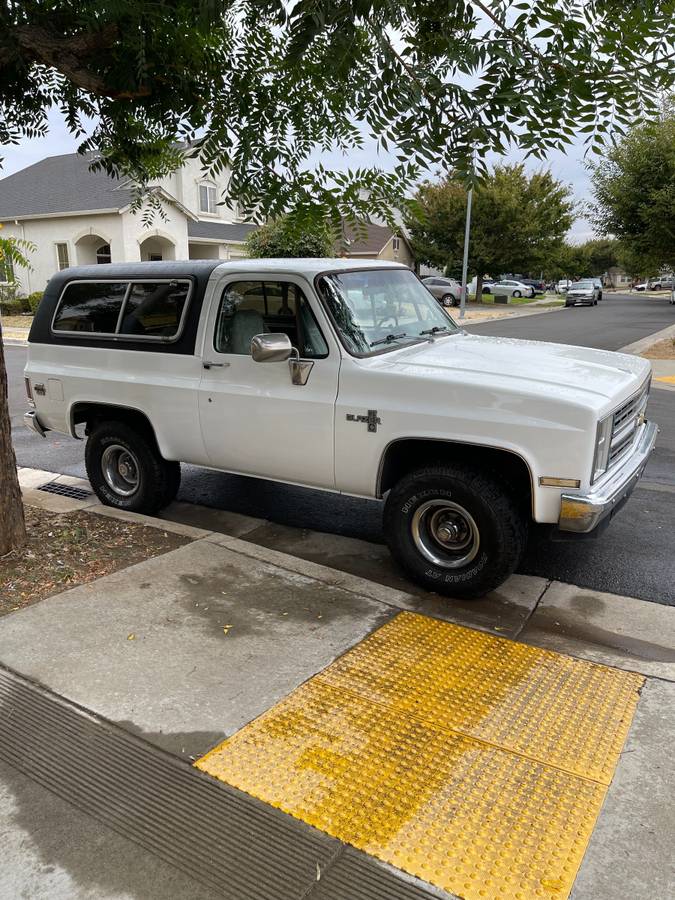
(583, 286)
(375, 308)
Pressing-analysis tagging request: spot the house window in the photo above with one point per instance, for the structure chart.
(103, 254)
(207, 198)
(62, 256)
(396, 244)
(155, 257)
(6, 270)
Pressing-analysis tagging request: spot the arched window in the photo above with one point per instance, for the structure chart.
(103, 254)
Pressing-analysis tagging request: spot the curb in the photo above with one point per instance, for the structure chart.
(645, 343)
(508, 316)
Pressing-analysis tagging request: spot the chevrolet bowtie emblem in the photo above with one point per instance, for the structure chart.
(372, 420)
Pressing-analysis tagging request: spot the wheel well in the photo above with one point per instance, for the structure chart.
(93, 414)
(403, 456)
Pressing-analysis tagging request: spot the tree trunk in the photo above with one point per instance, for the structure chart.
(12, 524)
(479, 286)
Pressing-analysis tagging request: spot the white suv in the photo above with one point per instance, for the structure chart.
(343, 376)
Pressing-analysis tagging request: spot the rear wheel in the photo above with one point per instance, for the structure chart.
(454, 529)
(127, 471)
(516, 294)
(448, 300)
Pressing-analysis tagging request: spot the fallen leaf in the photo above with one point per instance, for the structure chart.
(131, 637)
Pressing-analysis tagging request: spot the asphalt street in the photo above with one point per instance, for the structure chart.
(617, 320)
(634, 556)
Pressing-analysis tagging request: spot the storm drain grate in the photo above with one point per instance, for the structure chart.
(65, 490)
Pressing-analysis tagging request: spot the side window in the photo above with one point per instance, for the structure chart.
(154, 308)
(248, 308)
(91, 307)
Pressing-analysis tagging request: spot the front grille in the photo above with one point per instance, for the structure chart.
(625, 425)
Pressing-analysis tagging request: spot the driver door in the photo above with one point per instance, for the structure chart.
(254, 420)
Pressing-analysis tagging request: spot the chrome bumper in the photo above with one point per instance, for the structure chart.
(30, 420)
(584, 512)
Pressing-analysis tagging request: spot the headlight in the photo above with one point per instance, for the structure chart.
(603, 441)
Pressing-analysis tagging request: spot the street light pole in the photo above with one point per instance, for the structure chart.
(465, 259)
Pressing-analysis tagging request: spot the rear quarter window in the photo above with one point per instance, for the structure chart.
(123, 309)
(90, 307)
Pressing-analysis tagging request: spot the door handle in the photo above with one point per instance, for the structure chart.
(207, 364)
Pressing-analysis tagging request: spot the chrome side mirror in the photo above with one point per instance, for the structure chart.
(271, 348)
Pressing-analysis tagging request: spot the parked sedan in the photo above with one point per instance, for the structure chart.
(582, 293)
(446, 290)
(512, 288)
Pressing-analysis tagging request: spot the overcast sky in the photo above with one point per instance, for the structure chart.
(568, 167)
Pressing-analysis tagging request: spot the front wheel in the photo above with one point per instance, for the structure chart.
(454, 529)
(516, 294)
(447, 300)
(127, 471)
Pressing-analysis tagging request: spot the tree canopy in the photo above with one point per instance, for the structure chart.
(263, 85)
(634, 187)
(280, 238)
(518, 222)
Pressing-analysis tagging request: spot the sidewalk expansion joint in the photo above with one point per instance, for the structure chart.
(531, 612)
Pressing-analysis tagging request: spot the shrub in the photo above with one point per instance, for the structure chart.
(11, 307)
(285, 238)
(33, 300)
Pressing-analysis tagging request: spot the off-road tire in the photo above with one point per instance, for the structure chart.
(500, 517)
(158, 478)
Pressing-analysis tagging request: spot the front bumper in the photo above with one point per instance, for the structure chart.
(582, 513)
(31, 421)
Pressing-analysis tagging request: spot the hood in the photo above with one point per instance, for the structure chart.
(573, 289)
(598, 375)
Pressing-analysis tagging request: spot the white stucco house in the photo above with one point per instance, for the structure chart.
(76, 217)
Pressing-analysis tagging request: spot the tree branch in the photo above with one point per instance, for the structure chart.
(69, 56)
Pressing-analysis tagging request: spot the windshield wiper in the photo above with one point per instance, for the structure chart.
(388, 339)
(437, 329)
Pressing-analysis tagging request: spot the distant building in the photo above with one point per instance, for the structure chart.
(616, 277)
(376, 242)
(76, 217)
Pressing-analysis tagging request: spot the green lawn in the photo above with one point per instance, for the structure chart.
(489, 299)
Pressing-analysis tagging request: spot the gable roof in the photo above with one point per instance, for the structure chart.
(221, 231)
(61, 184)
(372, 240)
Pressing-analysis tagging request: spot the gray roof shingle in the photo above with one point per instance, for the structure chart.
(222, 231)
(60, 184)
(375, 238)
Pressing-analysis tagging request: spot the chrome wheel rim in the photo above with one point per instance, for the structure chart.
(120, 470)
(445, 533)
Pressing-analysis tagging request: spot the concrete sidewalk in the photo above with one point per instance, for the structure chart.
(185, 649)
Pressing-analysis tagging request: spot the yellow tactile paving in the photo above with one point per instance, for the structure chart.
(562, 711)
(473, 762)
(668, 379)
